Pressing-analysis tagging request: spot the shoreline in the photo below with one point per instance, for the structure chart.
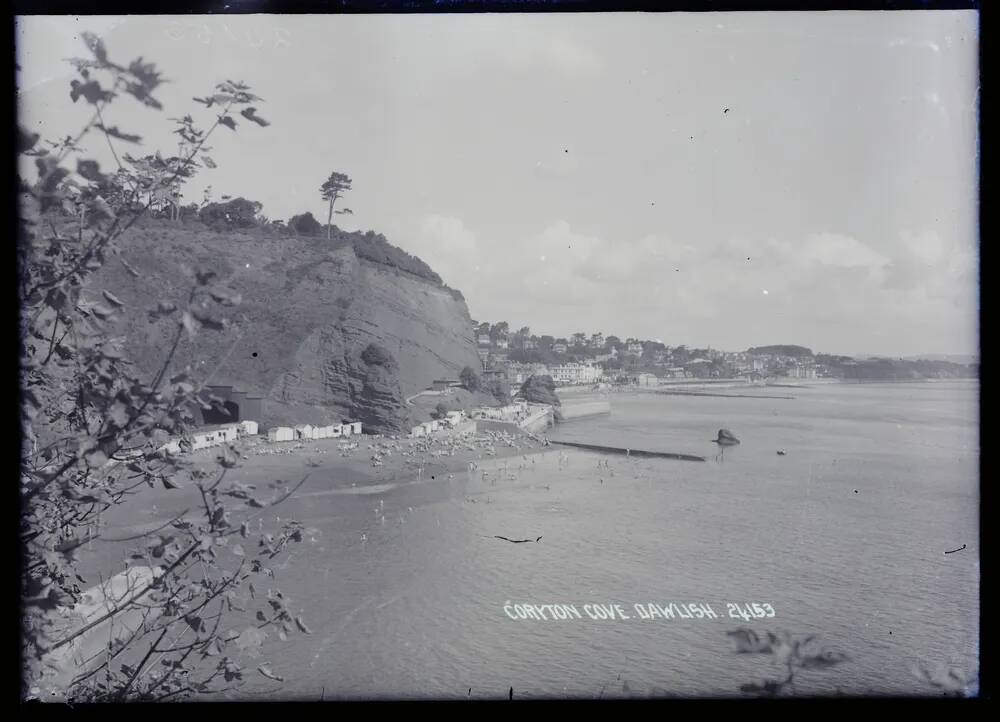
(365, 465)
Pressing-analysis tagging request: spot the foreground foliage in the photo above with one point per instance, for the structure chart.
(93, 429)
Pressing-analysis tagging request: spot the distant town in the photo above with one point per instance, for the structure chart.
(591, 358)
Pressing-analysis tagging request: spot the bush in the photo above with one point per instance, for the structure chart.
(540, 390)
(470, 379)
(375, 355)
(237, 213)
(305, 225)
(440, 411)
(500, 391)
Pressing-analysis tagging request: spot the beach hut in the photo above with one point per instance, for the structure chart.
(204, 439)
(355, 426)
(280, 433)
(418, 431)
(172, 447)
(249, 428)
(304, 431)
(345, 428)
(227, 434)
(335, 431)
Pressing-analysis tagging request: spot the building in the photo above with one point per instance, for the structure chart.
(574, 373)
(502, 342)
(281, 433)
(559, 347)
(249, 428)
(443, 384)
(530, 344)
(597, 340)
(483, 339)
(304, 431)
(802, 372)
(635, 347)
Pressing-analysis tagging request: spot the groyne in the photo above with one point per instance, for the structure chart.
(631, 452)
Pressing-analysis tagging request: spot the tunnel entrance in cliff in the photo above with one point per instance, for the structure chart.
(216, 415)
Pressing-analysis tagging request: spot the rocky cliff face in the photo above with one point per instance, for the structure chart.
(308, 313)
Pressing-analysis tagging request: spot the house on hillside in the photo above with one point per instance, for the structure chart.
(483, 339)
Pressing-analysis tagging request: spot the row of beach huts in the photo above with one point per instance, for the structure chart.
(451, 420)
(217, 435)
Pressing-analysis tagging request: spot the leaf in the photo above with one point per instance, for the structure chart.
(250, 114)
(195, 622)
(187, 320)
(25, 140)
(227, 121)
(203, 277)
(209, 321)
(302, 625)
(96, 46)
(115, 133)
(208, 161)
(269, 674)
(112, 298)
(90, 170)
(823, 660)
(226, 298)
(91, 91)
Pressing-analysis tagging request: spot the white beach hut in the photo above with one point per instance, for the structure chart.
(304, 431)
(281, 433)
(249, 428)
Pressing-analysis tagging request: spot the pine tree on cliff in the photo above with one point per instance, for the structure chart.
(334, 187)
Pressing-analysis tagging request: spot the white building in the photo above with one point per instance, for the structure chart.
(281, 433)
(574, 373)
(248, 428)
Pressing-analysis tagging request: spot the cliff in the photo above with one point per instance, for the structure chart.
(309, 310)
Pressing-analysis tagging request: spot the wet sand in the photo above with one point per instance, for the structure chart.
(359, 465)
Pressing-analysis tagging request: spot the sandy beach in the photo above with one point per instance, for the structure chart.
(358, 465)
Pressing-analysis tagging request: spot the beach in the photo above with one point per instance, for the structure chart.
(404, 577)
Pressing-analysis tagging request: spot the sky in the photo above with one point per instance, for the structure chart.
(708, 179)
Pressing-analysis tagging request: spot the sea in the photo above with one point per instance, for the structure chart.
(863, 535)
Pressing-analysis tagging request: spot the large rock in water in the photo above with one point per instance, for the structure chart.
(309, 309)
